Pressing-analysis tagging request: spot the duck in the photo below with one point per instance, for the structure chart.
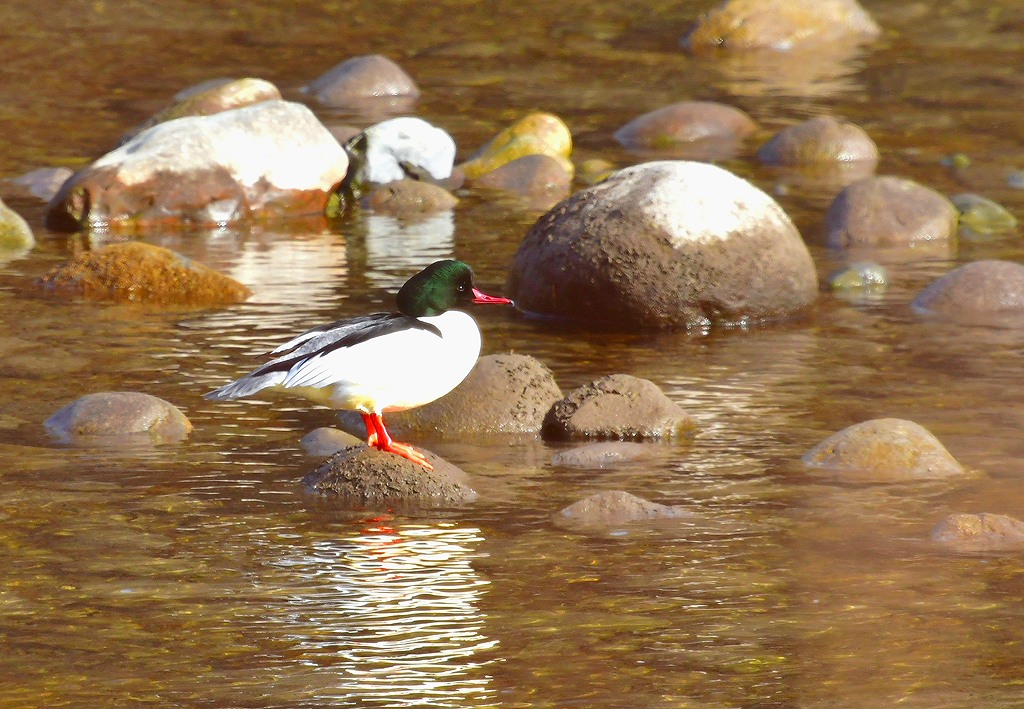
(385, 361)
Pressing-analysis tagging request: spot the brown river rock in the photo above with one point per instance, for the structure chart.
(820, 140)
(615, 507)
(980, 532)
(119, 415)
(354, 80)
(989, 292)
(685, 122)
(366, 478)
(619, 406)
(142, 273)
(663, 245)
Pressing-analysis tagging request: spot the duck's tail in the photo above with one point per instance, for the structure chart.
(246, 386)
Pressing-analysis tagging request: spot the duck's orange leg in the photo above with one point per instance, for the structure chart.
(377, 436)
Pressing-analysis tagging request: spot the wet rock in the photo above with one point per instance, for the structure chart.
(142, 273)
(119, 414)
(43, 183)
(205, 100)
(980, 532)
(820, 140)
(359, 78)
(889, 211)
(602, 455)
(594, 170)
(363, 477)
(326, 441)
(540, 178)
(860, 277)
(618, 406)
(981, 216)
(884, 450)
(780, 24)
(504, 393)
(534, 134)
(271, 159)
(615, 507)
(398, 148)
(981, 292)
(662, 245)
(408, 198)
(15, 233)
(686, 122)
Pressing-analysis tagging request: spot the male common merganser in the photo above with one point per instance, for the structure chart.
(384, 361)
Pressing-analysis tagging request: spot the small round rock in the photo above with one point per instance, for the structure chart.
(619, 407)
(820, 140)
(119, 414)
(979, 532)
(326, 441)
(360, 78)
(886, 449)
(685, 122)
(982, 292)
(409, 198)
(363, 477)
(889, 211)
(616, 507)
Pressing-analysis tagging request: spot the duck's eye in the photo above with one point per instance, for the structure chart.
(462, 287)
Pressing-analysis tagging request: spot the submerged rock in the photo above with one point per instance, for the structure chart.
(661, 245)
(686, 123)
(987, 292)
(602, 455)
(205, 100)
(860, 277)
(618, 406)
(363, 477)
(981, 216)
(980, 532)
(409, 198)
(359, 78)
(142, 273)
(504, 393)
(119, 414)
(534, 134)
(15, 233)
(780, 24)
(616, 507)
(820, 140)
(326, 441)
(270, 159)
(889, 211)
(535, 177)
(884, 450)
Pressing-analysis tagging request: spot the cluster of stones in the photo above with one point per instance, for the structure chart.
(664, 244)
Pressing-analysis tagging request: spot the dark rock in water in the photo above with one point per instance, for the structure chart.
(409, 198)
(364, 477)
(207, 170)
(209, 98)
(532, 176)
(602, 455)
(142, 273)
(686, 123)
(980, 532)
(889, 211)
(820, 140)
(360, 78)
(119, 414)
(884, 450)
(615, 507)
(781, 24)
(618, 406)
(504, 393)
(989, 292)
(326, 441)
(671, 244)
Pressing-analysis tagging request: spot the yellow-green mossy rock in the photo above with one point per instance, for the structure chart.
(535, 134)
(15, 233)
(221, 96)
(780, 24)
(142, 273)
(886, 449)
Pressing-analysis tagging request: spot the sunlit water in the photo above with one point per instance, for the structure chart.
(198, 574)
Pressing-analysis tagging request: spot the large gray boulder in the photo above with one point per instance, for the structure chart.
(269, 159)
(669, 244)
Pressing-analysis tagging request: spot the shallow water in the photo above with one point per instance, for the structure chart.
(198, 574)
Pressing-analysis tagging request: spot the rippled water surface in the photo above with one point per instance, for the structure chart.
(198, 574)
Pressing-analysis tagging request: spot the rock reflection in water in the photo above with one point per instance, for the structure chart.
(393, 612)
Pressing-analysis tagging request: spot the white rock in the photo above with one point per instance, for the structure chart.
(407, 140)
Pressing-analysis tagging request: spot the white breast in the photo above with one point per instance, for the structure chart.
(394, 372)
